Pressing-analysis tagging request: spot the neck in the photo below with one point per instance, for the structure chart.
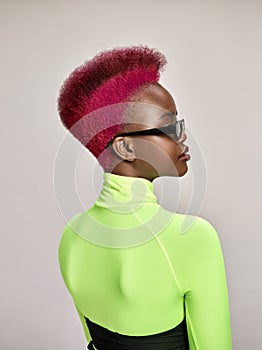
(125, 192)
(136, 168)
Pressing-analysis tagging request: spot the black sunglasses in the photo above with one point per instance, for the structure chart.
(176, 129)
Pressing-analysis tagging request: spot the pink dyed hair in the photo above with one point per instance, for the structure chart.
(111, 77)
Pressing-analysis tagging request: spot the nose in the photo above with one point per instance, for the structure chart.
(183, 138)
(180, 142)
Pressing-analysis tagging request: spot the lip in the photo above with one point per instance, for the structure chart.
(184, 152)
(185, 157)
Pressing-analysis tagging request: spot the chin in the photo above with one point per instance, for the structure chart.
(176, 174)
(181, 171)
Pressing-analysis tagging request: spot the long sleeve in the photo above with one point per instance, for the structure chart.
(150, 284)
(65, 246)
(84, 325)
(206, 301)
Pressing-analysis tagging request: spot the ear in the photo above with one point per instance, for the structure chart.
(124, 148)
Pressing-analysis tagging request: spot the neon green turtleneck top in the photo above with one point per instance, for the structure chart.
(135, 268)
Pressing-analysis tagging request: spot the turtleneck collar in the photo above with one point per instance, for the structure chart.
(125, 192)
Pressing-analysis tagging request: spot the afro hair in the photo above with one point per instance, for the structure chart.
(109, 79)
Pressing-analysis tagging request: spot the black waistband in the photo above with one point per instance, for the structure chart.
(104, 339)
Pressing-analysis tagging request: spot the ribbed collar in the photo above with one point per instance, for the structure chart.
(125, 192)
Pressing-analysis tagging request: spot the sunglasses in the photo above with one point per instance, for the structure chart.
(176, 130)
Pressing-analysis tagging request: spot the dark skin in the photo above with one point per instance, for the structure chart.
(150, 156)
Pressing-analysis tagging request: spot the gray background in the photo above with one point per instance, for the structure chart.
(214, 52)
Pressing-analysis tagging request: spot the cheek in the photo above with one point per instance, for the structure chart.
(170, 149)
(159, 151)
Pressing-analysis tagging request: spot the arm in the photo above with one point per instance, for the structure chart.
(84, 325)
(206, 301)
(64, 254)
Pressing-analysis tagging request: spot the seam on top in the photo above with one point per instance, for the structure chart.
(170, 265)
(194, 339)
(166, 256)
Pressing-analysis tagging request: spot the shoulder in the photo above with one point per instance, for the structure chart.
(205, 230)
(203, 255)
(189, 228)
(199, 235)
(72, 224)
(69, 233)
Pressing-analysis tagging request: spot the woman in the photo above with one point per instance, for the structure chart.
(136, 281)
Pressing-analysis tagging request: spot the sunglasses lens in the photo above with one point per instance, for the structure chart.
(177, 131)
(179, 128)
